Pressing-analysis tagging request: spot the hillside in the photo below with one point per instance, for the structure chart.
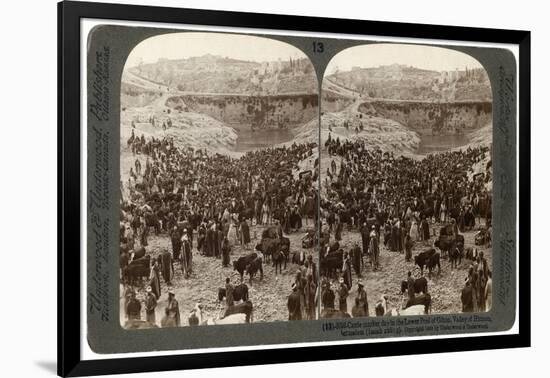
(216, 74)
(402, 82)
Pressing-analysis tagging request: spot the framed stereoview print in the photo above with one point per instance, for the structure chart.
(242, 188)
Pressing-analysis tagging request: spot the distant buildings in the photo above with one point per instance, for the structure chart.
(468, 74)
(448, 76)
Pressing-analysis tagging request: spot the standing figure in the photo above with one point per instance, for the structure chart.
(244, 231)
(166, 267)
(362, 298)
(346, 270)
(310, 292)
(327, 296)
(229, 300)
(150, 306)
(343, 296)
(133, 307)
(154, 278)
(410, 286)
(173, 309)
(374, 249)
(408, 248)
(186, 255)
(293, 304)
(232, 234)
(175, 237)
(226, 250)
(356, 256)
(467, 298)
(265, 213)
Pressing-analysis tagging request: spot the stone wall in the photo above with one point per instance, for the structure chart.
(259, 111)
(435, 118)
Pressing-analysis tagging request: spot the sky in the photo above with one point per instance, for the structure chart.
(192, 44)
(383, 54)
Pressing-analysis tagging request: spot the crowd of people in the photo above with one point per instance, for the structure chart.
(389, 200)
(396, 201)
(215, 199)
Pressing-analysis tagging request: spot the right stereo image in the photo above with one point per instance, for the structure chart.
(405, 182)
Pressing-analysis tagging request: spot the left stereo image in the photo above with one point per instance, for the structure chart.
(218, 182)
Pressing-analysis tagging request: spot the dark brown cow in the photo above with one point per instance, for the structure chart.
(241, 308)
(422, 299)
(242, 262)
(420, 286)
(428, 258)
(239, 293)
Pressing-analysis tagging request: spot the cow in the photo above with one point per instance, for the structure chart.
(152, 220)
(422, 258)
(422, 299)
(331, 263)
(420, 286)
(270, 246)
(240, 293)
(137, 269)
(241, 308)
(267, 247)
(242, 262)
(253, 267)
(434, 261)
(269, 233)
(137, 253)
(144, 260)
(446, 244)
(429, 258)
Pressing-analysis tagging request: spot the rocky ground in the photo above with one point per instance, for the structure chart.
(378, 132)
(269, 296)
(188, 128)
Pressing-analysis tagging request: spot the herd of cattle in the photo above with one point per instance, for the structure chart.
(273, 248)
(448, 245)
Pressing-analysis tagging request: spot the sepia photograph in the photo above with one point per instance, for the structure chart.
(219, 182)
(406, 182)
(243, 188)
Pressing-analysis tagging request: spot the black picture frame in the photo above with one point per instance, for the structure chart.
(69, 358)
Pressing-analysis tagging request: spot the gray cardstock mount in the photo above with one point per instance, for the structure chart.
(104, 332)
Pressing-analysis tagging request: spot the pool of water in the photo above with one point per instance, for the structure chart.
(248, 140)
(437, 143)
